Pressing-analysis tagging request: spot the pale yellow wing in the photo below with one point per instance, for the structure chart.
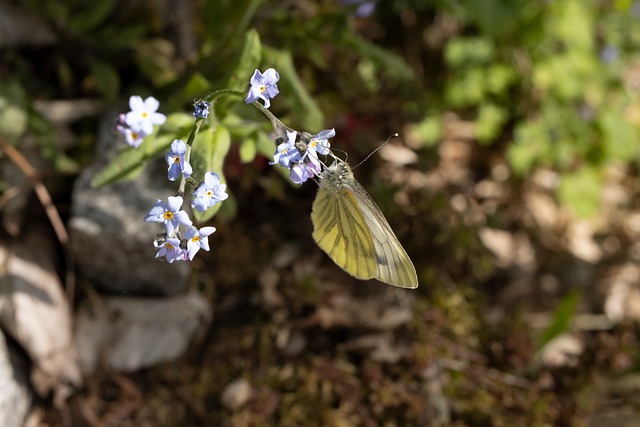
(393, 264)
(340, 229)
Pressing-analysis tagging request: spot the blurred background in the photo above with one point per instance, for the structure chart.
(512, 186)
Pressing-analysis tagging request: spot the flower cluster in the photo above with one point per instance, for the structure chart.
(297, 151)
(169, 243)
(174, 244)
(138, 123)
(180, 239)
(299, 154)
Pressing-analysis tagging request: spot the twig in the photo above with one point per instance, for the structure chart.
(52, 213)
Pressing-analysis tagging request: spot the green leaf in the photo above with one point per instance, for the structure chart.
(529, 147)
(572, 24)
(394, 65)
(468, 89)
(265, 145)
(301, 103)
(429, 130)
(14, 118)
(619, 138)
(130, 161)
(246, 62)
(156, 59)
(106, 78)
(248, 150)
(120, 38)
(561, 320)
(91, 15)
(207, 154)
(128, 164)
(581, 191)
(489, 124)
(196, 87)
(499, 78)
(464, 51)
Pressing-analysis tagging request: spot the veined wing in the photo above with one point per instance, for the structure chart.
(341, 230)
(393, 264)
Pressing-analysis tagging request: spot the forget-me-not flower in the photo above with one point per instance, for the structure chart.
(299, 173)
(171, 249)
(169, 214)
(210, 192)
(143, 114)
(287, 153)
(132, 137)
(320, 142)
(197, 239)
(263, 86)
(175, 160)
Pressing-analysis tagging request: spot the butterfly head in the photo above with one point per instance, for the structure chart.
(337, 175)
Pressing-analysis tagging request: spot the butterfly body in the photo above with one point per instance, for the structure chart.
(351, 229)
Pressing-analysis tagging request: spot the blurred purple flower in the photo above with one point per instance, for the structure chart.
(364, 8)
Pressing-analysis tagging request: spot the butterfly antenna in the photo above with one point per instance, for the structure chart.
(336, 157)
(374, 151)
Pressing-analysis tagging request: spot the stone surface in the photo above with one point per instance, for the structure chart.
(236, 394)
(113, 246)
(34, 311)
(130, 333)
(15, 393)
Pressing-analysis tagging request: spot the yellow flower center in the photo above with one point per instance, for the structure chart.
(168, 215)
(263, 88)
(145, 114)
(176, 159)
(195, 238)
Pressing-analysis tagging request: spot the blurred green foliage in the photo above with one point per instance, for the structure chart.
(547, 79)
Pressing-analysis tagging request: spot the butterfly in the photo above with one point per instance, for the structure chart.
(351, 229)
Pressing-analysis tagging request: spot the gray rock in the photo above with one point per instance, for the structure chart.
(16, 396)
(113, 246)
(129, 333)
(35, 312)
(236, 394)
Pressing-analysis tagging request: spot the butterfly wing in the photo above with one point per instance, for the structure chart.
(393, 264)
(341, 230)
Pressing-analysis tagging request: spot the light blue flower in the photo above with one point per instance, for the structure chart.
(320, 142)
(263, 87)
(210, 192)
(143, 115)
(169, 214)
(313, 165)
(171, 249)
(300, 173)
(287, 153)
(133, 137)
(175, 159)
(609, 54)
(364, 8)
(197, 239)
